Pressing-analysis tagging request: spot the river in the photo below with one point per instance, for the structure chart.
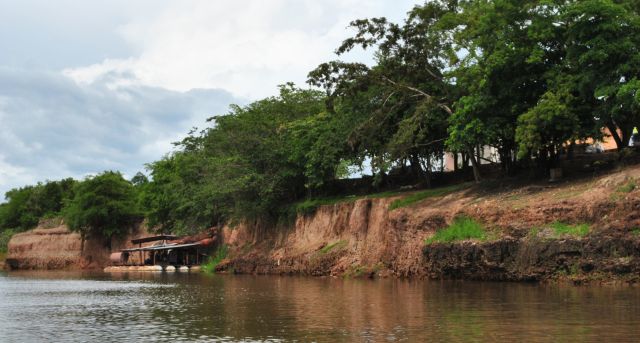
(61, 306)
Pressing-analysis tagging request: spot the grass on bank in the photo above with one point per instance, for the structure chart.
(627, 187)
(577, 230)
(559, 229)
(462, 228)
(333, 246)
(309, 206)
(220, 254)
(429, 193)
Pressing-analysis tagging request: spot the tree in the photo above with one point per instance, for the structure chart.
(602, 39)
(546, 127)
(27, 205)
(103, 206)
(397, 110)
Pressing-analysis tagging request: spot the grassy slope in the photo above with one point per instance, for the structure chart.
(405, 198)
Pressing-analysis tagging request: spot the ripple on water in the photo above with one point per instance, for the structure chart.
(200, 308)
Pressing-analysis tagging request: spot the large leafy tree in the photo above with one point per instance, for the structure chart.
(251, 163)
(602, 39)
(25, 206)
(398, 108)
(508, 51)
(103, 206)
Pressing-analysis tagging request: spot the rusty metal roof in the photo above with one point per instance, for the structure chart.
(154, 238)
(163, 247)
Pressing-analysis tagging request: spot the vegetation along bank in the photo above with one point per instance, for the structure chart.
(461, 91)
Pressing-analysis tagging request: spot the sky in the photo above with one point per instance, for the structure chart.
(88, 86)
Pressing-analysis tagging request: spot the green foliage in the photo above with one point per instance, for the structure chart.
(220, 254)
(5, 237)
(523, 77)
(24, 207)
(462, 228)
(546, 126)
(255, 160)
(562, 229)
(103, 205)
(426, 194)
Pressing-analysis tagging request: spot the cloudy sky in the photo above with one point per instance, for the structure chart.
(87, 86)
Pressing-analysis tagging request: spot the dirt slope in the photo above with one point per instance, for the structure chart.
(364, 237)
(52, 246)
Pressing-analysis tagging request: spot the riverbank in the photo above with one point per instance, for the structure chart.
(580, 231)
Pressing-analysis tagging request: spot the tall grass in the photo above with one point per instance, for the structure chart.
(220, 254)
(462, 228)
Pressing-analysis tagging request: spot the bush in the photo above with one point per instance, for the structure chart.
(220, 254)
(462, 228)
(104, 205)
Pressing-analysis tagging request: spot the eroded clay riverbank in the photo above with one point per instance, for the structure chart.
(366, 238)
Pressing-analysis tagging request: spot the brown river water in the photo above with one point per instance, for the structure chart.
(75, 307)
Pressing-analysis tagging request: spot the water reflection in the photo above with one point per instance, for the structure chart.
(195, 307)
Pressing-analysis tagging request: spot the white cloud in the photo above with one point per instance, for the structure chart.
(247, 47)
(51, 127)
(147, 71)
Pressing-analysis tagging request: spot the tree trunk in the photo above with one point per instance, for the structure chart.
(474, 165)
(570, 150)
(455, 161)
(428, 174)
(416, 169)
(614, 133)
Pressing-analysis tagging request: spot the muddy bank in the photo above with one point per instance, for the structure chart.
(52, 246)
(597, 258)
(366, 238)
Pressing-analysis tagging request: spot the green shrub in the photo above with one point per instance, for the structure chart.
(578, 230)
(462, 228)
(220, 254)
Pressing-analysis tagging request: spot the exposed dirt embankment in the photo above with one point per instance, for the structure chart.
(53, 246)
(44, 248)
(364, 237)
